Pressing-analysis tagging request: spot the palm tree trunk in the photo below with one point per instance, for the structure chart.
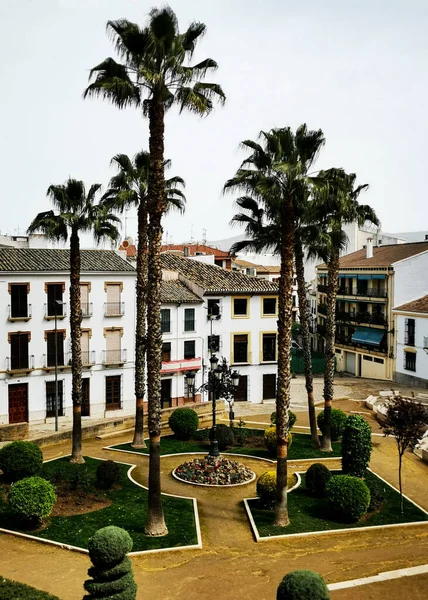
(330, 326)
(140, 328)
(400, 459)
(76, 350)
(155, 525)
(285, 309)
(304, 330)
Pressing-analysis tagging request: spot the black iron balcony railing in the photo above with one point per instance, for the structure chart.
(361, 317)
(19, 313)
(321, 287)
(322, 309)
(86, 308)
(321, 330)
(368, 293)
(50, 308)
(114, 309)
(346, 340)
(114, 357)
(20, 363)
(63, 360)
(88, 358)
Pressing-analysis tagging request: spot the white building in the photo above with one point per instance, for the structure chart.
(411, 326)
(34, 285)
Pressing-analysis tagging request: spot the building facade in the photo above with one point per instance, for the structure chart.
(411, 325)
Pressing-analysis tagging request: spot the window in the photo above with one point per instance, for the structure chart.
(268, 347)
(50, 343)
(214, 343)
(269, 307)
(19, 351)
(113, 306)
(369, 358)
(189, 319)
(85, 336)
(378, 360)
(269, 386)
(240, 348)
(113, 385)
(165, 320)
(54, 293)
(19, 301)
(410, 361)
(50, 398)
(213, 308)
(218, 262)
(240, 307)
(409, 332)
(113, 346)
(189, 349)
(84, 299)
(293, 298)
(166, 351)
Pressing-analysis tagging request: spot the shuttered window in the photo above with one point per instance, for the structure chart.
(19, 300)
(165, 320)
(50, 348)
(113, 353)
(409, 332)
(189, 319)
(84, 345)
(19, 351)
(113, 306)
(189, 349)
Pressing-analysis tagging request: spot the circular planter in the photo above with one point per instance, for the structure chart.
(213, 472)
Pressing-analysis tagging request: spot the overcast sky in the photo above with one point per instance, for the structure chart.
(356, 69)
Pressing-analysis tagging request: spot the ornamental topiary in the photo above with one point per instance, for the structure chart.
(292, 418)
(347, 497)
(270, 440)
(20, 459)
(184, 423)
(31, 499)
(266, 489)
(112, 575)
(224, 435)
(338, 420)
(317, 477)
(356, 446)
(302, 585)
(108, 473)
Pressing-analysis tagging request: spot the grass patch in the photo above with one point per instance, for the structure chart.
(12, 590)
(301, 448)
(309, 514)
(128, 509)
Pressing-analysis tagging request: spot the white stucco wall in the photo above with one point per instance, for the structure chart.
(421, 332)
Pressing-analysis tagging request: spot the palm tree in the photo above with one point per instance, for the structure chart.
(154, 75)
(334, 205)
(76, 214)
(129, 188)
(272, 178)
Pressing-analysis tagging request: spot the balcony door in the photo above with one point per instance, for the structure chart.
(113, 345)
(18, 403)
(86, 397)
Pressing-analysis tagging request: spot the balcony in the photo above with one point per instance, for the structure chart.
(114, 309)
(346, 340)
(64, 360)
(321, 330)
(114, 357)
(174, 366)
(21, 364)
(61, 311)
(322, 309)
(324, 289)
(86, 309)
(362, 292)
(21, 313)
(362, 317)
(88, 358)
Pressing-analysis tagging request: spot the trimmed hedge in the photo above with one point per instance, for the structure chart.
(292, 418)
(303, 585)
(356, 446)
(338, 420)
(270, 440)
(266, 489)
(225, 436)
(317, 477)
(32, 498)
(347, 497)
(10, 590)
(377, 493)
(108, 473)
(20, 459)
(183, 422)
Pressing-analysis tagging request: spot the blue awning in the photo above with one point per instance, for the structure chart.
(366, 335)
(365, 277)
(342, 276)
(378, 276)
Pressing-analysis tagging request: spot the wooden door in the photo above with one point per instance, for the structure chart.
(166, 393)
(241, 394)
(85, 397)
(269, 386)
(18, 403)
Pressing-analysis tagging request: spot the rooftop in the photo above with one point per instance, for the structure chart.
(420, 305)
(383, 256)
(215, 279)
(259, 268)
(32, 260)
(193, 248)
(176, 292)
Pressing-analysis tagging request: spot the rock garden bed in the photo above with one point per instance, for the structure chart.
(215, 471)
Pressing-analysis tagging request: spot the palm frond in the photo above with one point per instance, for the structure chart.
(113, 83)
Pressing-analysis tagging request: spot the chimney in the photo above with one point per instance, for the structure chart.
(369, 248)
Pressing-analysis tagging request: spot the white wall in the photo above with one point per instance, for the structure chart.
(421, 332)
(411, 279)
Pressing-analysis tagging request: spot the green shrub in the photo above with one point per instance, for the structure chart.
(303, 585)
(184, 423)
(108, 473)
(224, 436)
(10, 590)
(292, 418)
(111, 575)
(356, 446)
(338, 420)
(31, 499)
(20, 459)
(270, 440)
(202, 435)
(377, 493)
(266, 489)
(317, 477)
(347, 497)
(67, 476)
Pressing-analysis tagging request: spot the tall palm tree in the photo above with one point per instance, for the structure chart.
(154, 75)
(334, 205)
(76, 214)
(129, 188)
(273, 176)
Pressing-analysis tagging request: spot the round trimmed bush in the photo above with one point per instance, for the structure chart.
(32, 498)
(20, 459)
(317, 477)
(224, 435)
(302, 585)
(108, 473)
(347, 497)
(338, 420)
(377, 493)
(356, 446)
(109, 545)
(184, 423)
(266, 489)
(292, 418)
(270, 440)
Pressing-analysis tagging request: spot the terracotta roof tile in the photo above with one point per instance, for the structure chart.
(193, 248)
(29, 260)
(176, 291)
(418, 306)
(383, 256)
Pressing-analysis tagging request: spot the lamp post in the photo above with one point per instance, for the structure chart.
(56, 304)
